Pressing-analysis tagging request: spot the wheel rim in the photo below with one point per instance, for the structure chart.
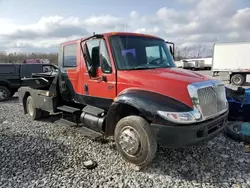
(129, 141)
(3, 94)
(237, 80)
(30, 107)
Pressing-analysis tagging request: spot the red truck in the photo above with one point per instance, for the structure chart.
(126, 85)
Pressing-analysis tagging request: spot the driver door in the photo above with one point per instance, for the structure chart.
(101, 89)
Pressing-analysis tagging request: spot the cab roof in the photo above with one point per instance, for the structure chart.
(108, 34)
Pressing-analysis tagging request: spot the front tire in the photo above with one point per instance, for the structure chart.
(33, 112)
(135, 140)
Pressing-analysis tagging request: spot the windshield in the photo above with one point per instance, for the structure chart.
(140, 52)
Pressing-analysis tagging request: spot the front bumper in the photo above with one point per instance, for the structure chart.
(180, 136)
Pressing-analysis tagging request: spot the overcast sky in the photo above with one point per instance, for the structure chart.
(36, 25)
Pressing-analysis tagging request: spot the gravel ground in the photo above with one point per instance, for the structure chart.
(43, 154)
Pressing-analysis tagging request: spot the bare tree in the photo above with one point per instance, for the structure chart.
(196, 51)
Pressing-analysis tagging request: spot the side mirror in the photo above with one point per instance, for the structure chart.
(92, 71)
(171, 50)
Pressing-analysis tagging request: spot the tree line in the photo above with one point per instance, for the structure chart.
(180, 53)
(192, 52)
(20, 57)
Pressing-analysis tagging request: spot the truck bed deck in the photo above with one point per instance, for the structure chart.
(40, 80)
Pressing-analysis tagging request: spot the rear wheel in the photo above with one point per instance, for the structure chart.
(135, 140)
(4, 93)
(33, 112)
(238, 79)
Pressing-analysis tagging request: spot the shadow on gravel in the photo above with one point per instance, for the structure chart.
(50, 118)
(28, 158)
(11, 100)
(247, 84)
(203, 164)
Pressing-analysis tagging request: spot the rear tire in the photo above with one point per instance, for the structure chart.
(33, 112)
(232, 132)
(4, 93)
(238, 79)
(135, 140)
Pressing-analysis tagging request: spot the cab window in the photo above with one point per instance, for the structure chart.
(92, 50)
(69, 55)
(104, 57)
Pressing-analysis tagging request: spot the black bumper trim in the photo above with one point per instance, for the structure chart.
(181, 136)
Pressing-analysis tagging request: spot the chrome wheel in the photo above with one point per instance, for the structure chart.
(237, 80)
(129, 141)
(30, 107)
(135, 140)
(3, 94)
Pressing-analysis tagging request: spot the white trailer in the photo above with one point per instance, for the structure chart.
(193, 64)
(208, 63)
(233, 58)
(188, 64)
(179, 64)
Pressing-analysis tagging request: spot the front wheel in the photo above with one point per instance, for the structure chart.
(135, 140)
(32, 111)
(4, 93)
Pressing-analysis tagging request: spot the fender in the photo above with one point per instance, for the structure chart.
(146, 103)
(5, 83)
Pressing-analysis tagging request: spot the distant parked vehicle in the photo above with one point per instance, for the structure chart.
(232, 58)
(193, 64)
(198, 63)
(179, 64)
(11, 75)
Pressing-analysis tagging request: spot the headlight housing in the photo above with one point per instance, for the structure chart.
(181, 117)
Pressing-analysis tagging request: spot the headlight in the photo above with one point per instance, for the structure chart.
(181, 117)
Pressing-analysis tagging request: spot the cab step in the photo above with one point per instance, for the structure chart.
(68, 109)
(95, 111)
(89, 133)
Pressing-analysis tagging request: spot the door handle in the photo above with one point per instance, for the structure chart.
(110, 87)
(101, 79)
(104, 78)
(86, 88)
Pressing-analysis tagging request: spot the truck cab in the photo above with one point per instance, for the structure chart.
(127, 85)
(110, 63)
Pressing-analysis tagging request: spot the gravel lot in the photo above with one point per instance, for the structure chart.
(43, 154)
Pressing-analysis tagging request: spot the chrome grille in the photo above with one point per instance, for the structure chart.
(212, 100)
